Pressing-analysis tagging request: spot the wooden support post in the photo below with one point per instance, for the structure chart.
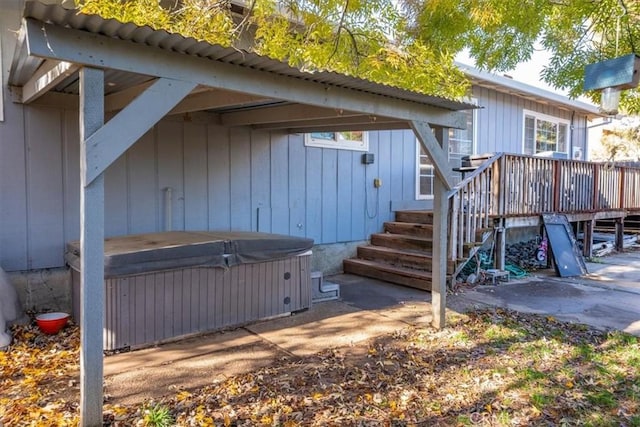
(438, 146)
(587, 242)
(501, 246)
(91, 254)
(619, 234)
(439, 268)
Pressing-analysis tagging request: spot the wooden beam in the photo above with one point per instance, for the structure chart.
(350, 127)
(324, 123)
(56, 42)
(438, 156)
(199, 99)
(118, 100)
(212, 99)
(22, 66)
(49, 75)
(91, 253)
(58, 100)
(282, 113)
(126, 127)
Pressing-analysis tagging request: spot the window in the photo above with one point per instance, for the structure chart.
(424, 175)
(353, 140)
(544, 133)
(461, 143)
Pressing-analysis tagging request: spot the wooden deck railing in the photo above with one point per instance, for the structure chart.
(472, 203)
(510, 185)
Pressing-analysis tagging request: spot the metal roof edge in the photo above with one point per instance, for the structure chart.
(508, 83)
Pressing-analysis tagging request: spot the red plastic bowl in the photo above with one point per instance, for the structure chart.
(51, 323)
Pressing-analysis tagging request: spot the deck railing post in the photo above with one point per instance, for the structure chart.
(494, 207)
(501, 190)
(595, 204)
(453, 227)
(621, 188)
(557, 175)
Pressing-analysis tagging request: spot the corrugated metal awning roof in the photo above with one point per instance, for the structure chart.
(58, 15)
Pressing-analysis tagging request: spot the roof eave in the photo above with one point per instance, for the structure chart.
(523, 90)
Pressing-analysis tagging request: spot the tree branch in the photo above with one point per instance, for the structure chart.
(245, 19)
(339, 30)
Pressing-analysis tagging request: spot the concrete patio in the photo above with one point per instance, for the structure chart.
(609, 297)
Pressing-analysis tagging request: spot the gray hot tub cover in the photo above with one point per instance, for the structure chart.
(141, 253)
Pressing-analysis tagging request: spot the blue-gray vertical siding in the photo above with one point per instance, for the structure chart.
(500, 122)
(220, 179)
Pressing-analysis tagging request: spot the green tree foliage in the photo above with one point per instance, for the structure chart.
(621, 142)
(407, 43)
(502, 33)
(354, 37)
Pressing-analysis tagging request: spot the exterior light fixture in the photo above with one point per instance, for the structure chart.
(611, 77)
(609, 100)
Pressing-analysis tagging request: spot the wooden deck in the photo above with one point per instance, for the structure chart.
(507, 191)
(515, 190)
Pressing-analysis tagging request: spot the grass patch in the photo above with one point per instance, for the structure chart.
(157, 416)
(603, 399)
(532, 375)
(540, 400)
(500, 334)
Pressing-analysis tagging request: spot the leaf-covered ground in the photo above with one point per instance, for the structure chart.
(491, 367)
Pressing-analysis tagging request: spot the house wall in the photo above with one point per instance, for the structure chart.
(220, 179)
(500, 122)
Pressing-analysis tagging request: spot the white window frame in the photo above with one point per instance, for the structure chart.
(474, 132)
(419, 195)
(474, 146)
(337, 142)
(547, 118)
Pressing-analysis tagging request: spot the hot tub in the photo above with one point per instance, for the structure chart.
(161, 286)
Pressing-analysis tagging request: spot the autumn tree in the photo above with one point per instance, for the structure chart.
(354, 37)
(406, 43)
(502, 33)
(621, 142)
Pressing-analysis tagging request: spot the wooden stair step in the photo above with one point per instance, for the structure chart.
(409, 228)
(420, 217)
(389, 273)
(399, 241)
(418, 260)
